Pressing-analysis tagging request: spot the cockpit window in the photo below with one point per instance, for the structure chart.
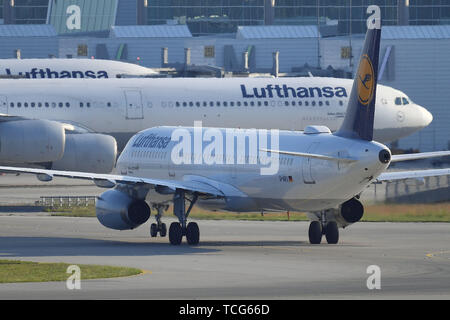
(405, 101)
(398, 101)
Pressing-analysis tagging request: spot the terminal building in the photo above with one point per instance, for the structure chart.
(293, 37)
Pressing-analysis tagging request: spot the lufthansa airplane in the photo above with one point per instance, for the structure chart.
(126, 106)
(240, 170)
(70, 69)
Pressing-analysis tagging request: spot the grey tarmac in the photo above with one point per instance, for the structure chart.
(234, 260)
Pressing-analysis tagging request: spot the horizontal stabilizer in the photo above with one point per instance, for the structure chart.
(310, 155)
(415, 174)
(417, 156)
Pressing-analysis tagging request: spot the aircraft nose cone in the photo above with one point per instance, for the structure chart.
(427, 117)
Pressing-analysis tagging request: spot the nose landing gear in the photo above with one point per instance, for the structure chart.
(159, 226)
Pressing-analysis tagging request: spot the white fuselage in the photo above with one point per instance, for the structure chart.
(122, 107)
(292, 183)
(70, 68)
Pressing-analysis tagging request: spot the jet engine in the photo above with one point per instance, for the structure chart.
(25, 141)
(349, 212)
(88, 152)
(117, 210)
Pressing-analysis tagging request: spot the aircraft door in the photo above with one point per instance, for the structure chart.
(135, 109)
(307, 165)
(3, 105)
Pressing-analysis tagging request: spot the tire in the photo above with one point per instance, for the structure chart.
(153, 230)
(163, 231)
(192, 233)
(332, 232)
(175, 233)
(315, 232)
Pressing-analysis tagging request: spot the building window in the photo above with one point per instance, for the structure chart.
(209, 52)
(82, 50)
(346, 52)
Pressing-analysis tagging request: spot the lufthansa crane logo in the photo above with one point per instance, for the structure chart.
(365, 80)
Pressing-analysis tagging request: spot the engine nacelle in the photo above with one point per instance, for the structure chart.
(88, 152)
(349, 212)
(26, 141)
(117, 210)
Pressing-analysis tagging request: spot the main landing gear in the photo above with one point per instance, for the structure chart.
(322, 227)
(179, 229)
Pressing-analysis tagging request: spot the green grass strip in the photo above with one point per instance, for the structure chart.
(12, 271)
(435, 212)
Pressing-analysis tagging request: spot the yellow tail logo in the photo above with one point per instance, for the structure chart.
(365, 80)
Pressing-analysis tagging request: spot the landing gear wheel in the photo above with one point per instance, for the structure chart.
(192, 233)
(153, 230)
(175, 233)
(315, 232)
(332, 232)
(163, 230)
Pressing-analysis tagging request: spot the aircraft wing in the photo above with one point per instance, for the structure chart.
(6, 117)
(415, 174)
(67, 125)
(110, 180)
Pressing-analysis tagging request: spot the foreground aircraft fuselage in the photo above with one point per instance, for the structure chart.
(122, 107)
(233, 162)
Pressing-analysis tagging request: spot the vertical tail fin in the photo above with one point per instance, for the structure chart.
(358, 121)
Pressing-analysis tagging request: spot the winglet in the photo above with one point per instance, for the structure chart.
(358, 121)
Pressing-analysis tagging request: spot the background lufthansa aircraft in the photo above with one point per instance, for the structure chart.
(63, 145)
(70, 68)
(122, 107)
(316, 171)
